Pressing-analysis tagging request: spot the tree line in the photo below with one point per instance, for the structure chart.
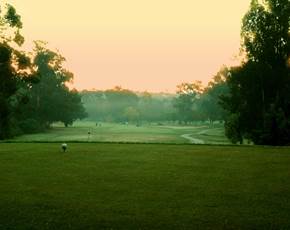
(123, 105)
(33, 90)
(252, 99)
(191, 103)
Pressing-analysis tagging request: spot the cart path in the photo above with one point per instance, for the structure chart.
(192, 140)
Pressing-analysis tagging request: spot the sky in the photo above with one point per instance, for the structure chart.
(143, 45)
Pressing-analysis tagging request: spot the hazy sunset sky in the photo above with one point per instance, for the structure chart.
(137, 44)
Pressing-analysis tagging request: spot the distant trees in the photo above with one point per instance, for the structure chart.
(185, 101)
(33, 93)
(258, 102)
(156, 107)
(110, 105)
(119, 102)
(197, 103)
(131, 114)
(192, 102)
(122, 105)
(210, 101)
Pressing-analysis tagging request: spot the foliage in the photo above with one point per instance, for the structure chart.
(30, 126)
(210, 100)
(15, 70)
(50, 98)
(111, 105)
(156, 107)
(131, 114)
(259, 89)
(187, 95)
(33, 94)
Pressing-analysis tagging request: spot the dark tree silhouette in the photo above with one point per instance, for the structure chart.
(15, 70)
(259, 99)
(50, 99)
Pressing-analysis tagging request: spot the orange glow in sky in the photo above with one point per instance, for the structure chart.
(142, 45)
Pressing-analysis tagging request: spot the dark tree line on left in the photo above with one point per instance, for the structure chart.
(33, 90)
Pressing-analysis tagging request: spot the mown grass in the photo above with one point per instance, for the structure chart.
(110, 132)
(144, 186)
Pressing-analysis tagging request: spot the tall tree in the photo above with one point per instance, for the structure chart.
(50, 99)
(259, 99)
(15, 69)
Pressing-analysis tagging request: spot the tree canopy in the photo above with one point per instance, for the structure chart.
(51, 100)
(122, 105)
(33, 91)
(15, 69)
(259, 90)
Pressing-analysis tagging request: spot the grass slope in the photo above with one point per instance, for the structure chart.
(138, 186)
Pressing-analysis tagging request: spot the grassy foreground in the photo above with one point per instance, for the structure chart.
(139, 186)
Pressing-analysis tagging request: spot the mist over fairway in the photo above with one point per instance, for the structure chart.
(146, 133)
(202, 155)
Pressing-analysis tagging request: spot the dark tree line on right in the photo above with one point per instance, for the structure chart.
(258, 101)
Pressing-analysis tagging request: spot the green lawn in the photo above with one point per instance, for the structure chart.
(109, 132)
(143, 186)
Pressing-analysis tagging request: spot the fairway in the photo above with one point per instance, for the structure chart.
(143, 186)
(112, 132)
